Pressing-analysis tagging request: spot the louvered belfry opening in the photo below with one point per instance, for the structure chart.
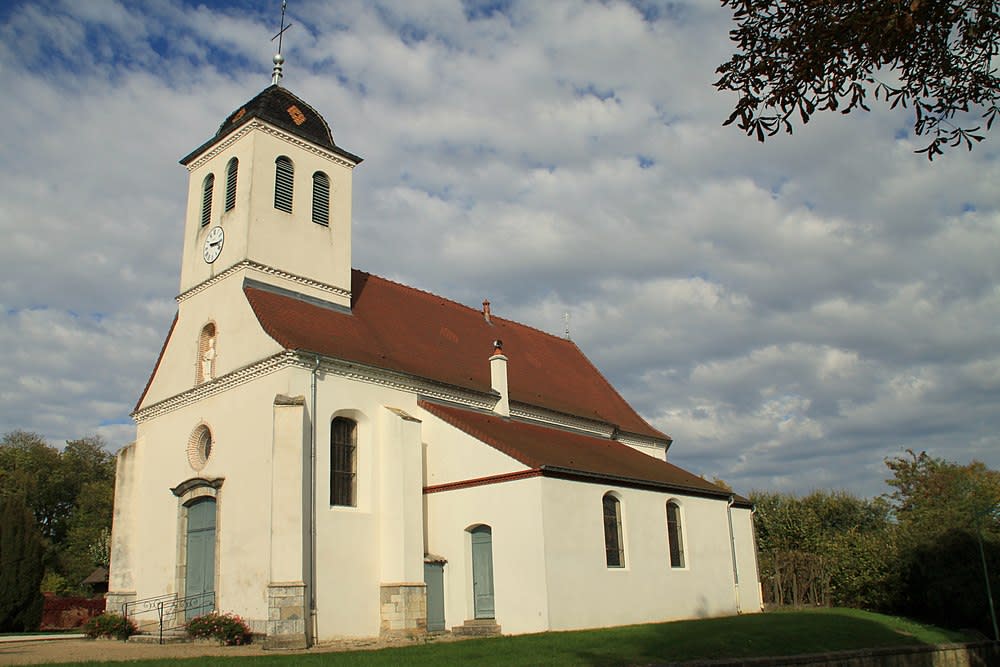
(284, 172)
(231, 171)
(206, 199)
(321, 199)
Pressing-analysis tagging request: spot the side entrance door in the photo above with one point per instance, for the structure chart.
(200, 564)
(482, 571)
(434, 578)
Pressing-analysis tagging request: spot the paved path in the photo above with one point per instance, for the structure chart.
(41, 650)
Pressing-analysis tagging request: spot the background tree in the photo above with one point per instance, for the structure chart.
(945, 513)
(824, 548)
(21, 567)
(71, 494)
(796, 57)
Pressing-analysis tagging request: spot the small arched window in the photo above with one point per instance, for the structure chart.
(284, 173)
(614, 547)
(343, 462)
(321, 199)
(205, 364)
(674, 535)
(231, 170)
(206, 199)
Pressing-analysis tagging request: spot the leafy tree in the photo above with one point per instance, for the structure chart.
(797, 57)
(21, 567)
(949, 525)
(88, 527)
(71, 494)
(931, 496)
(824, 548)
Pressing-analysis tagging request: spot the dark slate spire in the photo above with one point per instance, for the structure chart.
(277, 106)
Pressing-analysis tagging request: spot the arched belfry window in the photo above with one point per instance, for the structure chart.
(343, 462)
(205, 364)
(206, 199)
(231, 172)
(321, 199)
(674, 534)
(284, 172)
(614, 547)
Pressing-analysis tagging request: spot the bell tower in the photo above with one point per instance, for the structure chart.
(270, 194)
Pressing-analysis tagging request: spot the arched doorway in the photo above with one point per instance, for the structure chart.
(482, 571)
(200, 556)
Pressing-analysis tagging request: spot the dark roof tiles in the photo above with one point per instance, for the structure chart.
(544, 447)
(403, 329)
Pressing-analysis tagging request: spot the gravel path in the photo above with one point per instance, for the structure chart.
(83, 650)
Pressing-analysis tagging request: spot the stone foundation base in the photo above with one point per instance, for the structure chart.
(115, 599)
(404, 609)
(286, 615)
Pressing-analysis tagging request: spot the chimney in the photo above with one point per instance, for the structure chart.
(498, 375)
(486, 311)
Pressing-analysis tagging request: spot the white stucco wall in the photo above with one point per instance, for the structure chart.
(511, 510)
(584, 592)
(241, 454)
(454, 456)
(240, 341)
(349, 539)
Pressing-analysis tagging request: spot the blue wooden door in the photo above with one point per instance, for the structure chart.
(482, 571)
(200, 563)
(434, 578)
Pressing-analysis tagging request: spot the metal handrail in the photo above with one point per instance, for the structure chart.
(168, 606)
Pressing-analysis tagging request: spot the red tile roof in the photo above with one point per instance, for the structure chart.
(403, 329)
(567, 454)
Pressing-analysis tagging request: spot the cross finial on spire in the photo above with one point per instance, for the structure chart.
(279, 59)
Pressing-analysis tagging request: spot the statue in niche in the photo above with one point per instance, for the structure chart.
(208, 360)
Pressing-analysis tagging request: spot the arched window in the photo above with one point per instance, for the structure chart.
(284, 172)
(614, 547)
(321, 199)
(343, 462)
(674, 534)
(205, 363)
(231, 170)
(206, 199)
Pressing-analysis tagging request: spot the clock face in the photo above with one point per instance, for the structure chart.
(213, 244)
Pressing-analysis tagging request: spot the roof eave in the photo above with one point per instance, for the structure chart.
(636, 483)
(205, 147)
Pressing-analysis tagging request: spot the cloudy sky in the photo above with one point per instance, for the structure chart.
(791, 313)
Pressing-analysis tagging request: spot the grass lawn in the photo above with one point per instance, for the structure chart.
(776, 633)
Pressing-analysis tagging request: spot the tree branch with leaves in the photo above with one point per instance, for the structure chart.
(798, 57)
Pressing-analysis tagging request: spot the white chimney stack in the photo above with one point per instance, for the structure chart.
(498, 379)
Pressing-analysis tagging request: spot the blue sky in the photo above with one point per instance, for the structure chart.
(791, 313)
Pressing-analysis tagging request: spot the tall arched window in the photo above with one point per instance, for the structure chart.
(205, 363)
(674, 535)
(284, 172)
(614, 547)
(206, 199)
(231, 170)
(321, 199)
(343, 462)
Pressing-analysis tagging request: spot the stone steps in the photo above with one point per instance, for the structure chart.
(479, 627)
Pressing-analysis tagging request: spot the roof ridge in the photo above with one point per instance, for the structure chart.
(474, 310)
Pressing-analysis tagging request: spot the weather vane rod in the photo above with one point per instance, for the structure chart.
(279, 60)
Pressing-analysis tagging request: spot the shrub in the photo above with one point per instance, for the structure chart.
(230, 629)
(110, 625)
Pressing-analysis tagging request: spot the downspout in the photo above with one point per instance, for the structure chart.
(732, 550)
(312, 510)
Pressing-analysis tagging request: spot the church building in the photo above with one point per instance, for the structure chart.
(331, 454)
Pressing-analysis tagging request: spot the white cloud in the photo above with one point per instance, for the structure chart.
(791, 312)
